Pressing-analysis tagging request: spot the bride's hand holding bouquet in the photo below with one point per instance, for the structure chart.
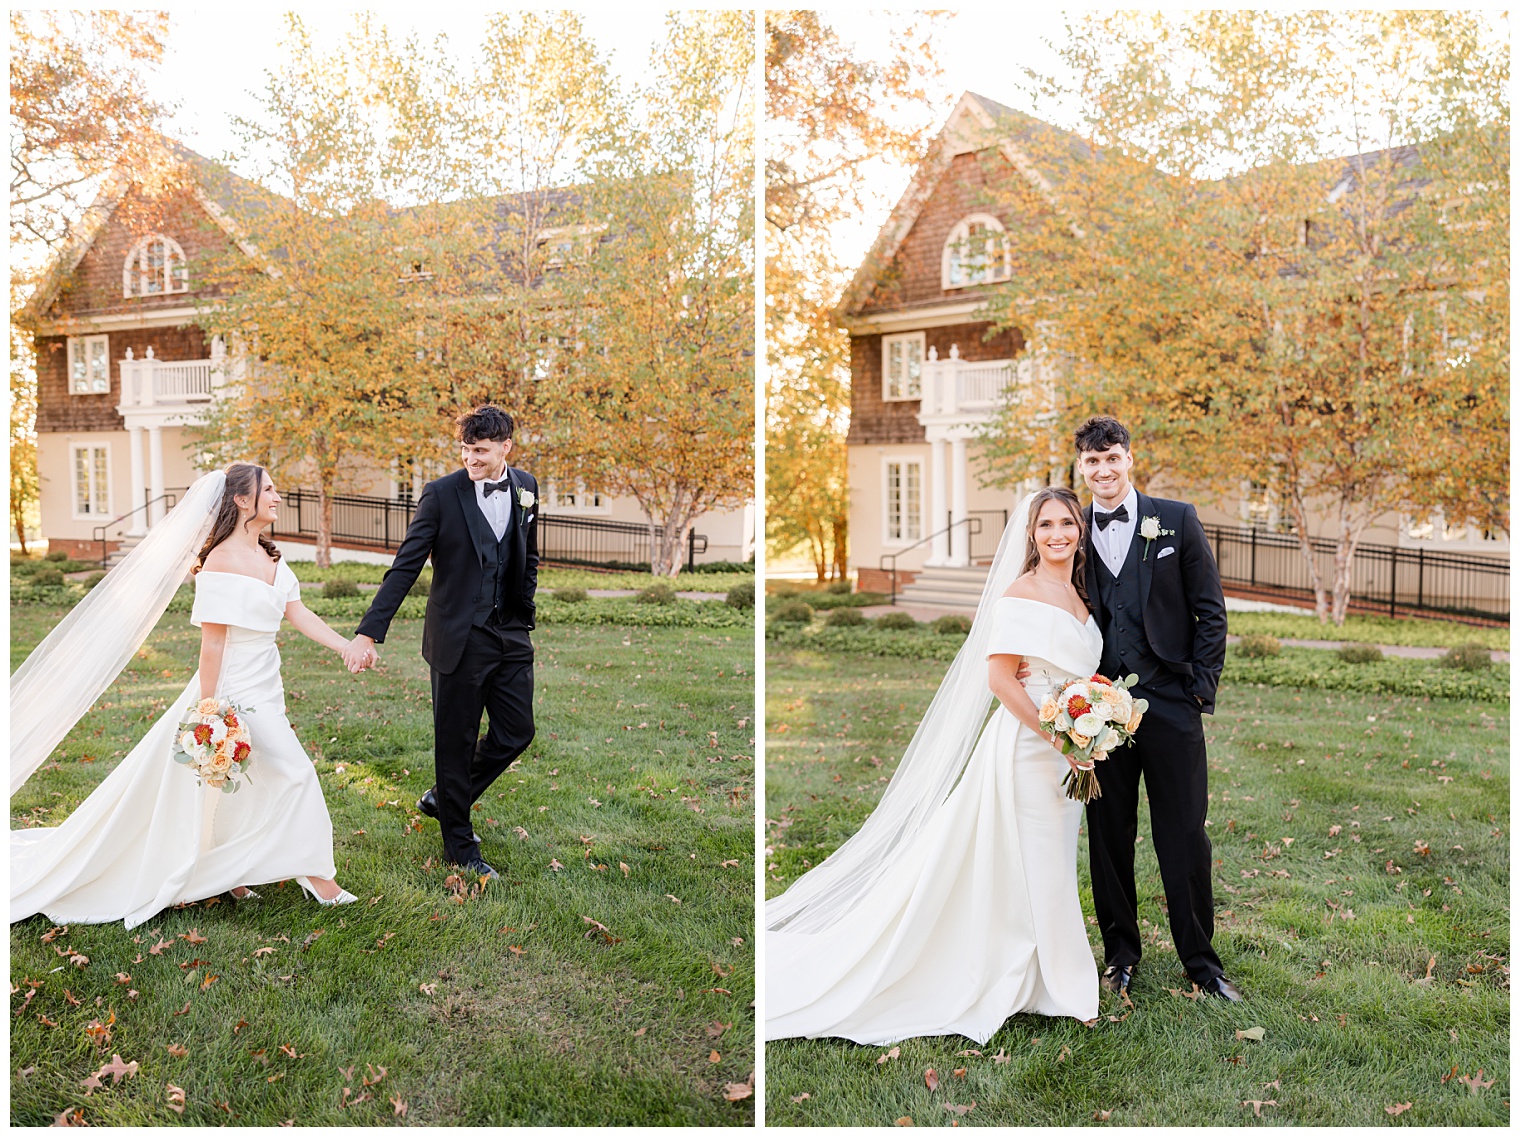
(1089, 719)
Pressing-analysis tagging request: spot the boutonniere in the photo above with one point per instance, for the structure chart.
(1150, 529)
(525, 499)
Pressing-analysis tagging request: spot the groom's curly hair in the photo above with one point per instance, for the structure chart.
(1100, 432)
(486, 423)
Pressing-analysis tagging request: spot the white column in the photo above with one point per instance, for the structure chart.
(938, 503)
(135, 452)
(156, 471)
(960, 541)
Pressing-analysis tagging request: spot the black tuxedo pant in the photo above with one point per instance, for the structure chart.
(1168, 751)
(494, 677)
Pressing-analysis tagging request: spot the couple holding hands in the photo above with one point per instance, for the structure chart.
(150, 836)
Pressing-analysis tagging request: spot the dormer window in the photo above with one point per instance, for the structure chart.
(154, 267)
(416, 270)
(976, 252)
(561, 245)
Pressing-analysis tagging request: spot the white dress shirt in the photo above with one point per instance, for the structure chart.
(498, 507)
(1112, 542)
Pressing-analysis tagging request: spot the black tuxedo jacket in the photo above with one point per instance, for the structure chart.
(449, 527)
(1183, 601)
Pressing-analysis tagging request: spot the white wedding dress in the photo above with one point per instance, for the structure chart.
(150, 836)
(978, 918)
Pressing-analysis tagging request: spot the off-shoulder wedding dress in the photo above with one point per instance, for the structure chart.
(977, 917)
(150, 836)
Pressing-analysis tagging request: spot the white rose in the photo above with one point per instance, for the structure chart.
(525, 498)
(218, 731)
(1150, 528)
(1063, 721)
(187, 742)
(1089, 725)
(1109, 740)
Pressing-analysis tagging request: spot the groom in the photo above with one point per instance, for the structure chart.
(479, 525)
(1154, 588)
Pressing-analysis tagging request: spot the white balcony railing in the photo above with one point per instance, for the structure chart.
(150, 382)
(956, 388)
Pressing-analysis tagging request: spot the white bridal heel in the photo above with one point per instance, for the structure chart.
(344, 896)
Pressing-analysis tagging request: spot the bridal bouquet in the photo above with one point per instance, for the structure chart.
(213, 742)
(1093, 717)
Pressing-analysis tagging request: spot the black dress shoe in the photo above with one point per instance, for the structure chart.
(480, 869)
(1116, 977)
(1222, 987)
(428, 804)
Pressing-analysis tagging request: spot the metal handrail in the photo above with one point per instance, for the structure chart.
(881, 562)
(99, 532)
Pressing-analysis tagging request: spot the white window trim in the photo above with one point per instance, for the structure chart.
(958, 235)
(887, 539)
(886, 389)
(133, 271)
(110, 510)
(555, 504)
(84, 343)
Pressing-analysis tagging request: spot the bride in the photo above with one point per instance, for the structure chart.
(955, 905)
(150, 836)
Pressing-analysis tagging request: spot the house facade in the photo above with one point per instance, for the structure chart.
(927, 375)
(124, 373)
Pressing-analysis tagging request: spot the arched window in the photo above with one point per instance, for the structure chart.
(155, 267)
(976, 252)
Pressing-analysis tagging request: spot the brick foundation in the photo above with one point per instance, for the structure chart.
(79, 549)
(880, 580)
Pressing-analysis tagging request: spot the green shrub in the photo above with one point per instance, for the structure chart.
(422, 585)
(572, 595)
(93, 579)
(1360, 653)
(839, 587)
(657, 593)
(896, 622)
(952, 625)
(1468, 657)
(1259, 647)
(56, 555)
(1317, 669)
(47, 578)
(793, 612)
(846, 618)
(741, 595)
(338, 588)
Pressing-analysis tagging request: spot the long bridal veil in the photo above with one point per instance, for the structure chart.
(79, 659)
(928, 771)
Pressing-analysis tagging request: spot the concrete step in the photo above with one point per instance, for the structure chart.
(119, 554)
(958, 588)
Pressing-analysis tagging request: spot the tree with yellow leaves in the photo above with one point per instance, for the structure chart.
(1277, 246)
(830, 114)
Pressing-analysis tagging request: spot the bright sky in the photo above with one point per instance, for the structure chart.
(982, 51)
(217, 58)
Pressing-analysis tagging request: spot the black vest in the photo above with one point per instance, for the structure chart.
(1126, 651)
(491, 603)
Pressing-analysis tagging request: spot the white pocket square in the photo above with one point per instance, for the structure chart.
(1166, 552)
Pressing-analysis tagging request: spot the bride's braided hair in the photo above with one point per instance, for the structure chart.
(1069, 499)
(243, 479)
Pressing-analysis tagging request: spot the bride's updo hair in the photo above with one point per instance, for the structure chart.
(1069, 499)
(244, 479)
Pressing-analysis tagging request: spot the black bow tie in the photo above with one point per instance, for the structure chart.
(504, 485)
(1120, 514)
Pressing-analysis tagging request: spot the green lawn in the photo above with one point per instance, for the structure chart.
(505, 1008)
(1362, 897)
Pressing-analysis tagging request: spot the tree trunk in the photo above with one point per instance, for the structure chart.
(667, 542)
(841, 530)
(18, 516)
(1306, 546)
(324, 522)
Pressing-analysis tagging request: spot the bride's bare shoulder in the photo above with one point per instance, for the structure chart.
(223, 559)
(1023, 588)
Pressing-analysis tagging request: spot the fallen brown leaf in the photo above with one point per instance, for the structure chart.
(960, 1110)
(738, 1091)
(801, 1098)
(931, 1079)
(1400, 1107)
(1256, 1105)
(890, 1056)
(177, 1050)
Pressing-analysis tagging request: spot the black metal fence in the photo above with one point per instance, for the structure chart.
(380, 523)
(1383, 577)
